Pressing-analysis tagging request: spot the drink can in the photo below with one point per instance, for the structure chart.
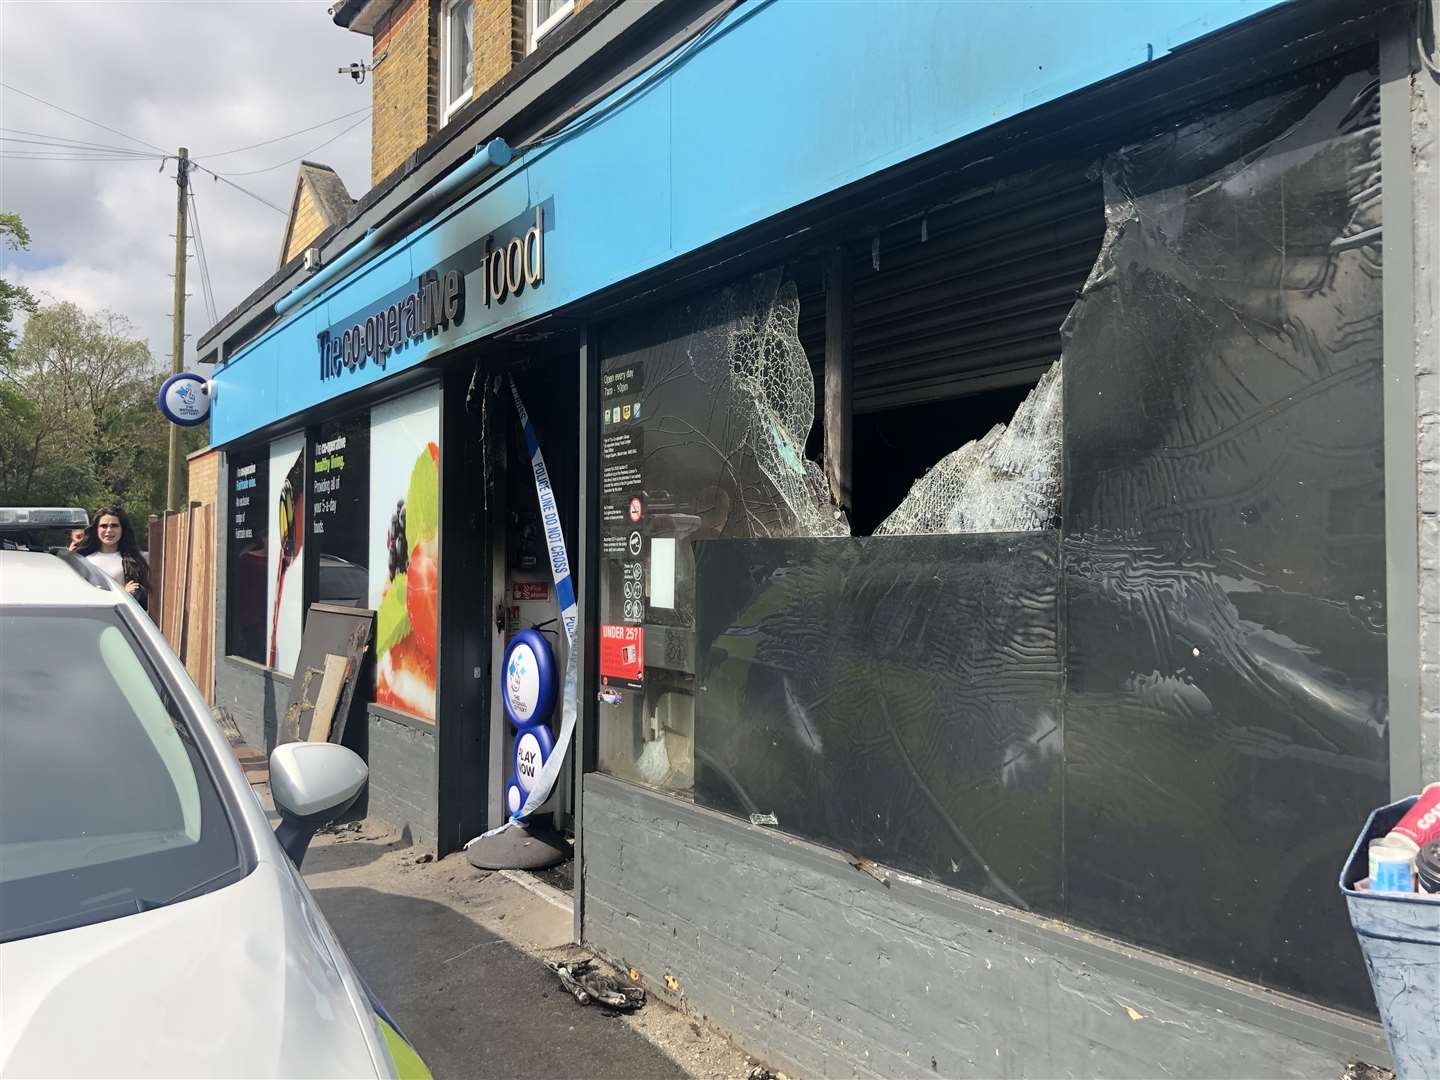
(1427, 868)
(1422, 823)
(1390, 867)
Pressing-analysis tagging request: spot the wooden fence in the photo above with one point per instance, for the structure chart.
(182, 600)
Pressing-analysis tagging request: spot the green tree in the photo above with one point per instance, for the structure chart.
(82, 428)
(13, 298)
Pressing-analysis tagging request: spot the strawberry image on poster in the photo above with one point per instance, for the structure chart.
(405, 624)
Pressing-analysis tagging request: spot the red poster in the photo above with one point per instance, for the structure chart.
(532, 590)
(622, 655)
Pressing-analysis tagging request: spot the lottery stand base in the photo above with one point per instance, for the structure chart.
(523, 846)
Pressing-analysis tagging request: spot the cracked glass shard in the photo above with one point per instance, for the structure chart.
(1006, 481)
(746, 346)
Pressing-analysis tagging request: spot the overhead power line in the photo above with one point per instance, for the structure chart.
(237, 187)
(71, 153)
(299, 157)
(77, 116)
(282, 138)
(62, 142)
(18, 156)
(206, 289)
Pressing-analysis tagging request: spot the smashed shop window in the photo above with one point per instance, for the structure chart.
(705, 411)
(1159, 714)
(1006, 481)
(708, 421)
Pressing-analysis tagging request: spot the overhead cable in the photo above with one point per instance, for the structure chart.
(226, 180)
(61, 142)
(298, 157)
(77, 116)
(282, 138)
(206, 289)
(27, 156)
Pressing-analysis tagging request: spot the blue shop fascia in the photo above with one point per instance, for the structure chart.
(894, 646)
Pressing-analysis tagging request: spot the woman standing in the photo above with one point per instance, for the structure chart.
(109, 543)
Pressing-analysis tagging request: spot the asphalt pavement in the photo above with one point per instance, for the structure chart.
(472, 1002)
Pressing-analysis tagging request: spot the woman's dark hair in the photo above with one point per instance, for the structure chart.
(135, 566)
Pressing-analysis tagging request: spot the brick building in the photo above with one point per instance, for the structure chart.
(986, 469)
(431, 59)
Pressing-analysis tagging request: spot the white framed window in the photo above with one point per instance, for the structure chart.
(457, 78)
(542, 16)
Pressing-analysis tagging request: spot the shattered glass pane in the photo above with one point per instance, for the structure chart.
(746, 353)
(1170, 730)
(1224, 562)
(1006, 481)
(706, 407)
(1220, 728)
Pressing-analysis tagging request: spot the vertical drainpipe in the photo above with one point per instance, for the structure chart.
(1402, 520)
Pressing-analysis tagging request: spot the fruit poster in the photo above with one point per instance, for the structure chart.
(285, 553)
(405, 549)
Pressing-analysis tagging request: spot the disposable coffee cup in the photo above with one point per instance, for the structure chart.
(1391, 867)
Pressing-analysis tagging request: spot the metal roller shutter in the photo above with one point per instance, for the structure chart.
(968, 295)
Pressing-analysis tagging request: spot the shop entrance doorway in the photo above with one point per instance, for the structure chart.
(521, 582)
(496, 578)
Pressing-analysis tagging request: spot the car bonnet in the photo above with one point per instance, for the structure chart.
(239, 982)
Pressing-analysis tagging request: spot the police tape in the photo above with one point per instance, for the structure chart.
(569, 614)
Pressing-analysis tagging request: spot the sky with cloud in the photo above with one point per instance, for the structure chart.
(211, 76)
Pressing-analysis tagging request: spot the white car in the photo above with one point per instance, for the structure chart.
(150, 922)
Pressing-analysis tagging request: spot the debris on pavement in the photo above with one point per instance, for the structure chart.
(1359, 1070)
(870, 867)
(338, 828)
(340, 866)
(586, 981)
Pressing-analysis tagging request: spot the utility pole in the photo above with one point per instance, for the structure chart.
(177, 350)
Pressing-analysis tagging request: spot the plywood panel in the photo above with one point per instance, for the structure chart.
(200, 605)
(337, 671)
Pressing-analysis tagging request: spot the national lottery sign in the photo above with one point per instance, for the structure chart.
(184, 400)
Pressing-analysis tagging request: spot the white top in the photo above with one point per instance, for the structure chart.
(112, 564)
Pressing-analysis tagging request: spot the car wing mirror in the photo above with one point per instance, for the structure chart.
(312, 783)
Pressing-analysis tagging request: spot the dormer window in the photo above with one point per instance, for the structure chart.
(457, 79)
(542, 16)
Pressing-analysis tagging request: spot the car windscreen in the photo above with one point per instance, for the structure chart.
(106, 805)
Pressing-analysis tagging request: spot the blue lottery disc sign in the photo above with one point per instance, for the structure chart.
(532, 748)
(183, 399)
(530, 679)
(530, 685)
